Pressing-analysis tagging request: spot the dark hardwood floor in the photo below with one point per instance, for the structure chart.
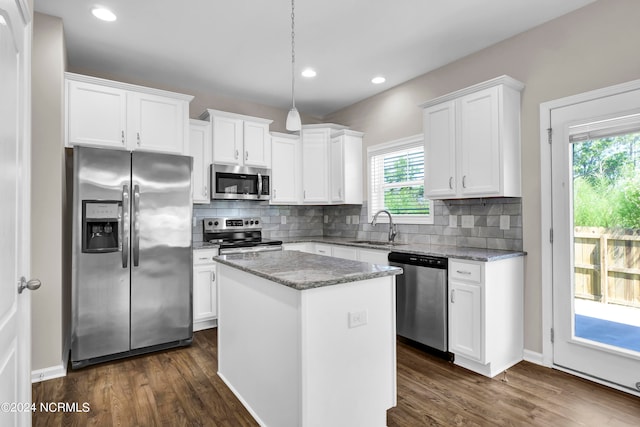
(180, 388)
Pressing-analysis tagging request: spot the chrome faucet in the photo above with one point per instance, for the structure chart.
(393, 230)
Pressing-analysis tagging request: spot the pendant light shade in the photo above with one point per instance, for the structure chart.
(293, 118)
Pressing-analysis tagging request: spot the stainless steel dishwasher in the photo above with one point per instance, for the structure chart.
(421, 299)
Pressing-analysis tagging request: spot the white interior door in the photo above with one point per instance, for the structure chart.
(15, 366)
(595, 155)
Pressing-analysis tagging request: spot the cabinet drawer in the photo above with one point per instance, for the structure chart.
(464, 271)
(204, 256)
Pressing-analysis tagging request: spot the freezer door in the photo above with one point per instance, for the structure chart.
(161, 270)
(100, 280)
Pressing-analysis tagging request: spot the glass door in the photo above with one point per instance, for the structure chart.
(596, 244)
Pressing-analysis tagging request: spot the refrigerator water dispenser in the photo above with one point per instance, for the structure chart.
(100, 220)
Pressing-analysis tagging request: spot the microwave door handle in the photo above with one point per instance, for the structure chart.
(136, 225)
(259, 185)
(124, 226)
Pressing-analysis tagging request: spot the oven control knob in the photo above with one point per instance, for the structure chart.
(246, 223)
(215, 223)
(210, 223)
(251, 222)
(257, 222)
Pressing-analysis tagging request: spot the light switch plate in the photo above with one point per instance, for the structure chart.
(453, 221)
(505, 222)
(348, 219)
(326, 219)
(283, 219)
(355, 219)
(467, 221)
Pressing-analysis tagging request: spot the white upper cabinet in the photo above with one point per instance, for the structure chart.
(472, 141)
(315, 164)
(200, 150)
(104, 113)
(285, 169)
(331, 165)
(239, 140)
(346, 167)
(96, 115)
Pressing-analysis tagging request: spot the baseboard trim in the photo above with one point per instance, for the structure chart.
(534, 357)
(49, 373)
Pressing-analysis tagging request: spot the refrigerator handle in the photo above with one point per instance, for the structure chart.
(124, 226)
(136, 225)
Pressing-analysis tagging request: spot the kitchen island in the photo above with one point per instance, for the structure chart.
(308, 340)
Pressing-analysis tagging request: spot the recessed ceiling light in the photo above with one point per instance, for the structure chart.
(103, 14)
(378, 80)
(309, 72)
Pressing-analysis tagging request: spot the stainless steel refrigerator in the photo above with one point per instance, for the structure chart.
(132, 262)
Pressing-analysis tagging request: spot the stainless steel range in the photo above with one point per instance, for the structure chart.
(238, 235)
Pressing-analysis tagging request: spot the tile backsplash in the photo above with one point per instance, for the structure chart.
(481, 217)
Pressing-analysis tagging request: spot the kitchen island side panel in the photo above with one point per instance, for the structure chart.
(258, 345)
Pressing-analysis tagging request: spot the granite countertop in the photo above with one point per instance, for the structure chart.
(302, 271)
(474, 254)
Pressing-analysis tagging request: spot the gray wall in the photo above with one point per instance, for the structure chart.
(593, 47)
(49, 252)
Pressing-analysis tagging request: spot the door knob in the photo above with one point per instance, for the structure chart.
(32, 284)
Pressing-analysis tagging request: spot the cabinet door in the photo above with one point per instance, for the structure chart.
(480, 143)
(285, 167)
(227, 140)
(465, 319)
(373, 256)
(204, 293)
(344, 252)
(315, 166)
(256, 144)
(440, 150)
(200, 150)
(96, 115)
(156, 123)
(336, 167)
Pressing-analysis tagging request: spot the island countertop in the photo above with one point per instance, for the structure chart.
(302, 271)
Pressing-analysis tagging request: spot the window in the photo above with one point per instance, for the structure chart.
(396, 181)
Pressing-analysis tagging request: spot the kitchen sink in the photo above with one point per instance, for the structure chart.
(376, 243)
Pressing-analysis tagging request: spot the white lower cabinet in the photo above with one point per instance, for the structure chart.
(373, 256)
(486, 314)
(205, 301)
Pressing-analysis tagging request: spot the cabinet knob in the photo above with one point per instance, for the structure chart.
(213, 276)
(464, 181)
(138, 135)
(451, 183)
(453, 296)
(246, 156)
(204, 190)
(237, 154)
(122, 137)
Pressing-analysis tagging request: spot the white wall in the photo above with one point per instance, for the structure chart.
(593, 47)
(49, 305)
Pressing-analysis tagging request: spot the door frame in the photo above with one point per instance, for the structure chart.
(546, 213)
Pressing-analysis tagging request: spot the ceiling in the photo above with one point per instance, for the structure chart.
(241, 48)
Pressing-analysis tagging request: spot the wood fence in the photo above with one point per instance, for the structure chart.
(607, 265)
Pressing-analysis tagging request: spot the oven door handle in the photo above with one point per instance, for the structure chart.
(250, 249)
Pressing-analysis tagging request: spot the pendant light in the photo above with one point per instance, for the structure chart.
(293, 118)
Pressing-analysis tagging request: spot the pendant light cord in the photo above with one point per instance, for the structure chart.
(293, 55)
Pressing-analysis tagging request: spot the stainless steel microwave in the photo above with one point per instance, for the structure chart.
(239, 183)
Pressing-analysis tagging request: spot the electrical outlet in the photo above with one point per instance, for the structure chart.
(357, 318)
(348, 219)
(467, 221)
(326, 219)
(355, 219)
(505, 222)
(453, 221)
(283, 219)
